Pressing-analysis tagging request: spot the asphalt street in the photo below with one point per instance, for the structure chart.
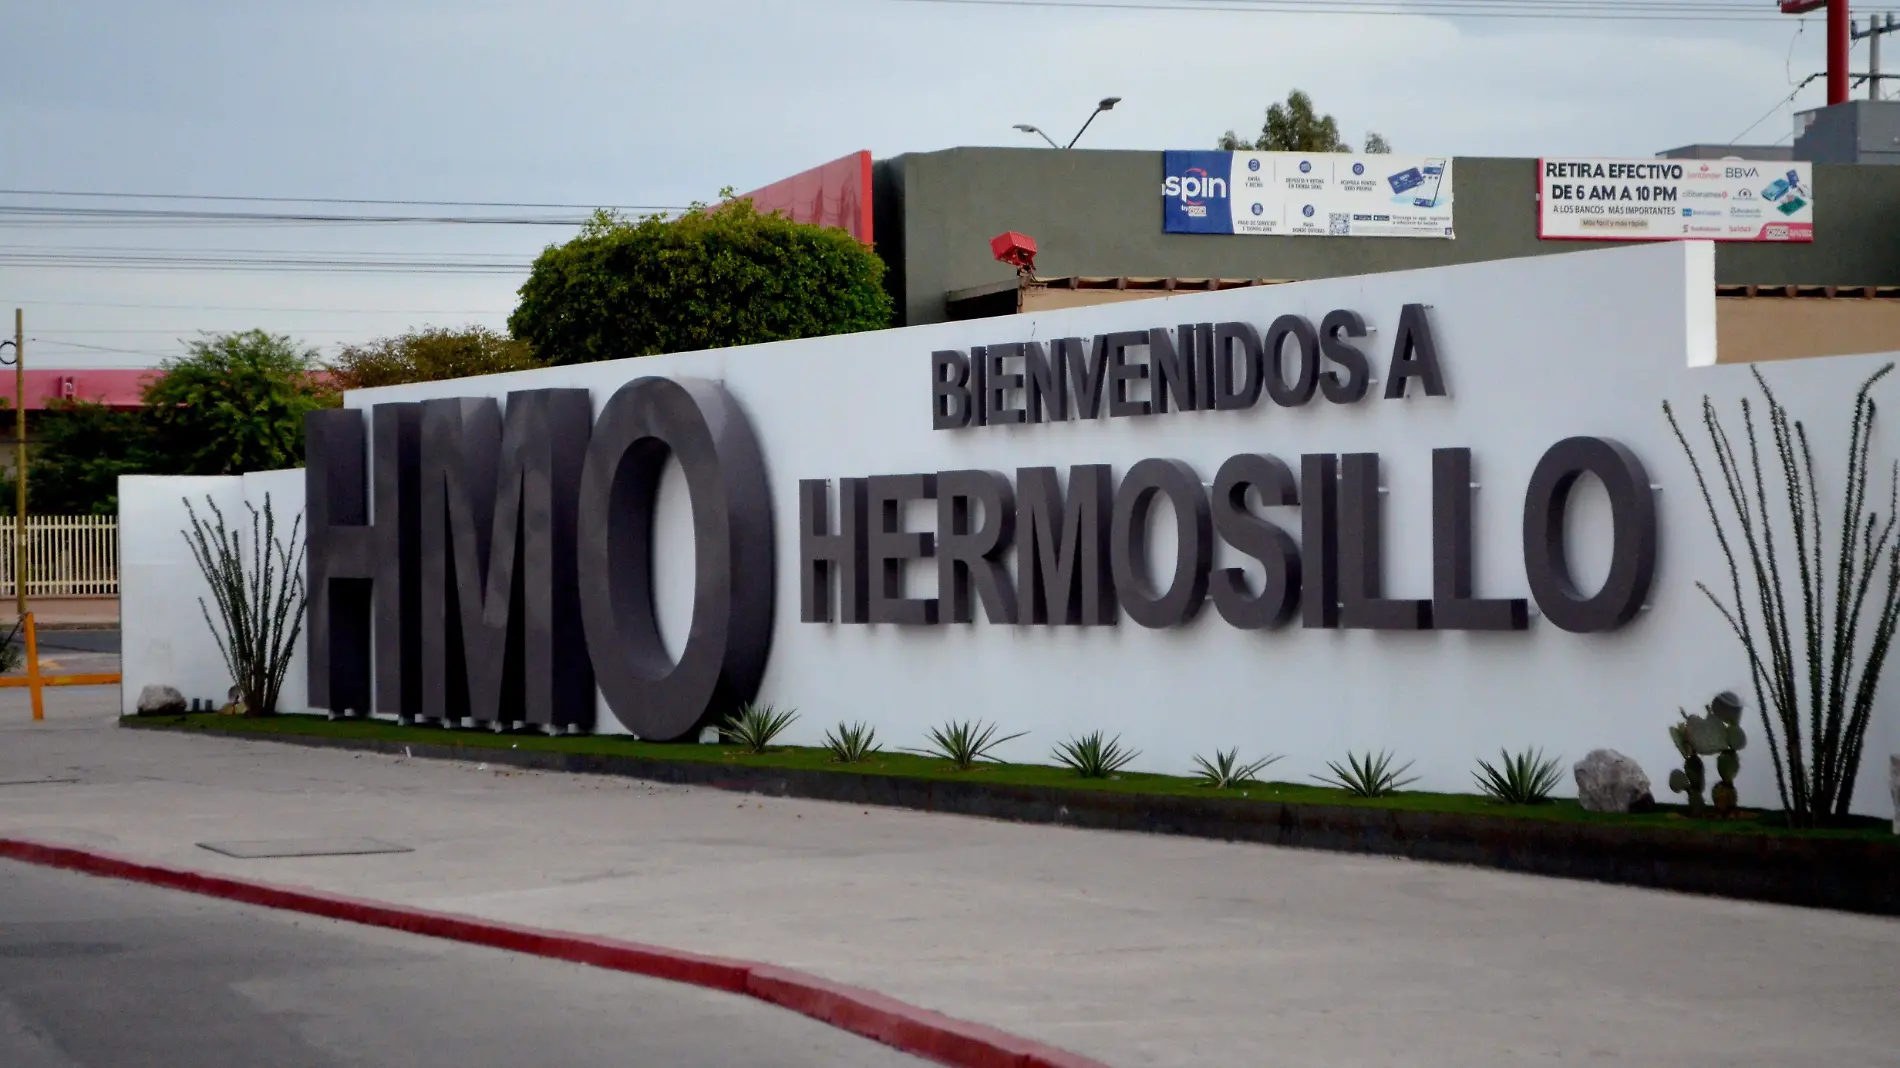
(104, 974)
(75, 651)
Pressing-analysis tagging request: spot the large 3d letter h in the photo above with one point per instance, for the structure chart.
(500, 592)
(359, 570)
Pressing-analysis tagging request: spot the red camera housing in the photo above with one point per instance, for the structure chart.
(1017, 250)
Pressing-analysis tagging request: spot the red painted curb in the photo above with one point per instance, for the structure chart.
(914, 1030)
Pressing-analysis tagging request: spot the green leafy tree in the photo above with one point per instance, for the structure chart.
(1376, 144)
(77, 451)
(718, 276)
(1295, 127)
(430, 355)
(235, 403)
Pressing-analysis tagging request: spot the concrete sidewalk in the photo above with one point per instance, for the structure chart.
(1135, 949)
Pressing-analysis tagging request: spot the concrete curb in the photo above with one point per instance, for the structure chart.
(1854, 875)
(895, 1023)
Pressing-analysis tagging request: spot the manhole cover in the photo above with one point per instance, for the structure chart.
(303, 847)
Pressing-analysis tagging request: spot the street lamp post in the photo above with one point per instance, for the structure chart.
(1107, 104)
(1037, 130)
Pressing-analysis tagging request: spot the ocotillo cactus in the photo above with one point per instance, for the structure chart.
(1718, 734)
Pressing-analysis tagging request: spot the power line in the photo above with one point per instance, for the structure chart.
(252, 308)
(31, 212)
(315, 265)
(335, 200)
(98, 348)
(181, 330)
(1779, 104)
(1584, 10)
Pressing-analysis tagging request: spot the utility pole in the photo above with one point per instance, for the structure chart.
(1878, 26)
(19, 475)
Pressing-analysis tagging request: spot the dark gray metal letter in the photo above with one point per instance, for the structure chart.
(1319, 540)
(1128, 544)
(1088, 370)
(823, 555)
(1453, 606)
(461, 451)
(1248, 533)
(966, 556)
(999, 381)
(1632, 534)
(949, 390)
(1173, 369)
(358, 569)
(1231, 393)
(645, 422)
(502, 638)
(1345, 355)
(1300, 390)
(1364, 605)
(1045, 383)
(891, 547)
(1414, 355)
(1121, 373)
(1062, 567)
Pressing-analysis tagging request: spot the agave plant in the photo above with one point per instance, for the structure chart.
(1367, 776)
(1524, 779)
(754, 727)
(964, 742)
(1093, 757)
(851, 742)
(1226, 771)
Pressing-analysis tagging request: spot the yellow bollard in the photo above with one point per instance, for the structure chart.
(33, 669)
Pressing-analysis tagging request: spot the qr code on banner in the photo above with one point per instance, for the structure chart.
(1338, 223)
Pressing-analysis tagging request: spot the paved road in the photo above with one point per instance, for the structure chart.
(1139, 950)
(95, 972)
(76, 651)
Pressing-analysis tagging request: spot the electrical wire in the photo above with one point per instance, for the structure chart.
(29, 212)
(97, 348)
(1779, 104)
(1567, 10)
(335, 200)
(252, 308)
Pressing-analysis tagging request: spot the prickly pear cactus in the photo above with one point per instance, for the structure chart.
(1718, 734)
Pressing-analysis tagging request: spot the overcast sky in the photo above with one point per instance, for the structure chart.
(639, 103)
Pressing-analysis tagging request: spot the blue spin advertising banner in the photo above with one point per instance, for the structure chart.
(1310, 194)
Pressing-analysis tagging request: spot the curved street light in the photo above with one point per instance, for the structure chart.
(1037, 130)
(1107, 104)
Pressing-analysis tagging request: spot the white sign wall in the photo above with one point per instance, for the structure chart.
(1532, 351)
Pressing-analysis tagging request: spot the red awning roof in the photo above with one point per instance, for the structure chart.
(119, 387)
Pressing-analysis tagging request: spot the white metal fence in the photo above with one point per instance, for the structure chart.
(66, 556)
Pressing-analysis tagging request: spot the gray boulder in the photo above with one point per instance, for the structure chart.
(156, 700)
(1608, 781)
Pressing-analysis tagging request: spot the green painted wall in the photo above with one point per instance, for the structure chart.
(1099, 213)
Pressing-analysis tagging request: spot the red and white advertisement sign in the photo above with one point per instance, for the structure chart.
(1674, 199)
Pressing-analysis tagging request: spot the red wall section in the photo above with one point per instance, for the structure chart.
(831, 194)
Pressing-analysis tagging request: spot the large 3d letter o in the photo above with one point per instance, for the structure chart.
(646, 421)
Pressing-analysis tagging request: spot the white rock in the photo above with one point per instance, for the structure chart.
(157, 700)
(1608, 781)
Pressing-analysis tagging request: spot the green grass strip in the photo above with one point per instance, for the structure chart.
(1671, 817)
